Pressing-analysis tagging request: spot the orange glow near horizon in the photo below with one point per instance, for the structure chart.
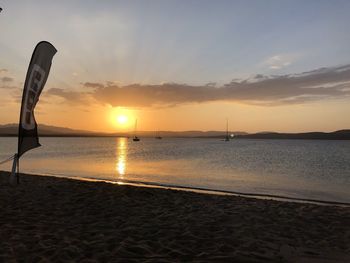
(316, 116)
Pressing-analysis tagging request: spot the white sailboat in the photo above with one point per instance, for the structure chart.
(157, 135)
(227, 138)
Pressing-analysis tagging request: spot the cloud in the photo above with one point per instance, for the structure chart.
(7, 86)
(93, 85)
(6, 83)
(6, 79)
(72, 97)
(153, 95)
(320, 84)
(279, 61)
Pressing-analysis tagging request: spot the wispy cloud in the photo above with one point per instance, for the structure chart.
(279, 61)
(6, 86)
(320, 84)
(94, 85)
(72, 97)
(6, 79)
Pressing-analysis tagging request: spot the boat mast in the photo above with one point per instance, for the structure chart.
(227, 128)
(135, 128)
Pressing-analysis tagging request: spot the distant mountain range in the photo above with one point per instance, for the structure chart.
(53, 131)
(43, 130)
(337, 135)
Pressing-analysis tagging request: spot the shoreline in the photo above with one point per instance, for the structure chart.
(198, 190)
(58, 219)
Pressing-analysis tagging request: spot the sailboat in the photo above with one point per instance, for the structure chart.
(135, 138)
(227, 138)
(158, 136)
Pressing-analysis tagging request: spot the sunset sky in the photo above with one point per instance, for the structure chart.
(182, 65)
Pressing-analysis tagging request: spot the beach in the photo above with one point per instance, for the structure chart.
(50, 219)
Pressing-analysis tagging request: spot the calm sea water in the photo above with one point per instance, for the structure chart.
(293, 168)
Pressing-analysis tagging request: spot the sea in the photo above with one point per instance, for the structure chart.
(306, 169)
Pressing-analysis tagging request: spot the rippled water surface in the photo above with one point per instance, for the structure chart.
(295, 168)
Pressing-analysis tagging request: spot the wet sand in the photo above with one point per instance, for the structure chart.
(48, 219)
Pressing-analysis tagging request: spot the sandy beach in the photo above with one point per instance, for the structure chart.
(47, 219)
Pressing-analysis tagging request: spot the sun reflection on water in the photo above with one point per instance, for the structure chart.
(122, 148)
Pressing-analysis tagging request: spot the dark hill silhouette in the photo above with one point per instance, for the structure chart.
(337, 135)
(43, 130)
(54, 131)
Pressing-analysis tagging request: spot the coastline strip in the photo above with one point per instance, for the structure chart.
(201, 190)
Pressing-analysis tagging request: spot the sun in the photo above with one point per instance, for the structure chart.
(122, 119)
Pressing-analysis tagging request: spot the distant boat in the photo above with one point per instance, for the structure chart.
(158, 136)
(227, 138)
(135, 138)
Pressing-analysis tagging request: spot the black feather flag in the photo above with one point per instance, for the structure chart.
(37, 74)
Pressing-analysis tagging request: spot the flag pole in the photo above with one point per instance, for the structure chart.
(17, 169)
(14, 179)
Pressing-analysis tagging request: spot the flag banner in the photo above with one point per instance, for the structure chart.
(37, 74)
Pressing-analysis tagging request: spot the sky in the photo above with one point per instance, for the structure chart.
(182, 65)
